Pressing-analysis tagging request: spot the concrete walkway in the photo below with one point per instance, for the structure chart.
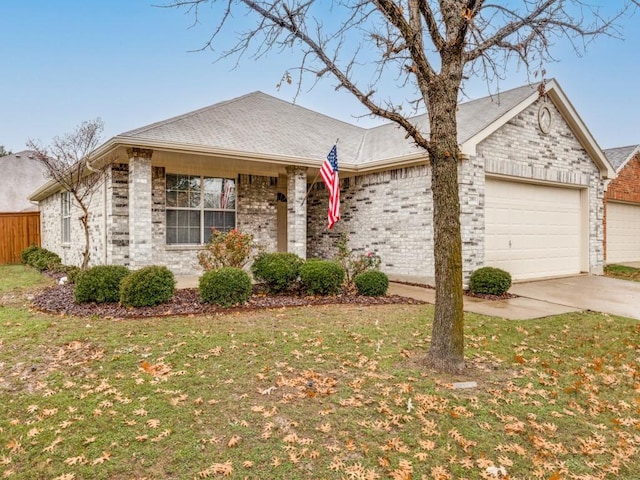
(521, 308)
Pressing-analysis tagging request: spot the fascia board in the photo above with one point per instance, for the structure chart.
(579, 128)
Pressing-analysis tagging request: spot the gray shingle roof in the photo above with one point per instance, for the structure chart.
(618, 156)
(262, 124)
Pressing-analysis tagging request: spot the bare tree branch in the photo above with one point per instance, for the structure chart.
(427, 48)
(66, 160)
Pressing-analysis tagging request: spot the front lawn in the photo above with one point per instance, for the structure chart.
(19, 277)
(623, 272)
(333, 391)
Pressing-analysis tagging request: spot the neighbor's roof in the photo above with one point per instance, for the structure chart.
(618, 157)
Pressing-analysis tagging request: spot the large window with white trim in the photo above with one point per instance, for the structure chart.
(66, 217)
(196, 205)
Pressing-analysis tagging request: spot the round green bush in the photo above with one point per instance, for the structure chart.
(147, 287)
(100, 284)
(27, 252)
(490, 281)
(43, 259)
(372, 283)
(72, 273)
(278, 271)
(322, 277)
(225, 287)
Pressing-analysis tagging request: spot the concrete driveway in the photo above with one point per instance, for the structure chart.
(586, 292)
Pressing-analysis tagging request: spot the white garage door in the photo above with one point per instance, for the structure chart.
(623, 232)
(532, 231)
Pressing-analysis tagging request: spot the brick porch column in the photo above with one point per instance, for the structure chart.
(297, 211)
(140, 206)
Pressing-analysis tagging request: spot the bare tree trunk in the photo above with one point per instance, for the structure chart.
(446, 352)
(84, 219)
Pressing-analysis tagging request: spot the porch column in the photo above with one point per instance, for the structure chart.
(140, 206)
(297, 211)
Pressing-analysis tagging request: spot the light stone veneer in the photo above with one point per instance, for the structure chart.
(391, 213)
(388, 212)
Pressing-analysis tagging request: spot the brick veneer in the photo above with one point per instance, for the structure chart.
(391, 213)
(626, 186)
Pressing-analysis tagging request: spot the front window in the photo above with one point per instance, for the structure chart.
(196, 205)
(66, 217)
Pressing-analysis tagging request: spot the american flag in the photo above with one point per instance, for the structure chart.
(329, 173)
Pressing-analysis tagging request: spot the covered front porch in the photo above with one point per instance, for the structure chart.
(162, 205)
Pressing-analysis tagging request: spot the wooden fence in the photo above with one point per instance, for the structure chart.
(17, 231)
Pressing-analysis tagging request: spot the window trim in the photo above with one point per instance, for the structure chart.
(65, 218)
(200, 208)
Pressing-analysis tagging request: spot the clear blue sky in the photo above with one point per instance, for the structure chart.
(128, 62)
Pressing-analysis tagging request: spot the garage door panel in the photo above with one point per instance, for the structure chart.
(532, 231)
(623, 232)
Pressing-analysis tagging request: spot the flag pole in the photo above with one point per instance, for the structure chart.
(314, 180)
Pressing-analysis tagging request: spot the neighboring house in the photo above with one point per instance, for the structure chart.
(531, 182)
(622, 206)
(21, 175)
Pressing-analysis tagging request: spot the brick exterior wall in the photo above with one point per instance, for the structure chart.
(256, 213)
(387, 213)
(626, 186)
(390, 213)
(256, 207)
(51, 228)
(118, 215)
(256, 198)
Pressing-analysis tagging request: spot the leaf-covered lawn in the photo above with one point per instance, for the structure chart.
(316, 392)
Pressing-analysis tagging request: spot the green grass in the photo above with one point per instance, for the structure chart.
(623, 272)
(20, 277)
(322, 392)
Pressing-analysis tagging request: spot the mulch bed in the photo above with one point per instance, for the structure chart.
(488, 296)
(59, 300)
(469, 293)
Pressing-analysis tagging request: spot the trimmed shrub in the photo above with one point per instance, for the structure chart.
(321, 277)
(278, 271)
(27, 252)
(225, 287)
(43, 259)
(147, 287)
(490, 281)
(372, 283)
(227, 249)
(100, 284)
(70, 271)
